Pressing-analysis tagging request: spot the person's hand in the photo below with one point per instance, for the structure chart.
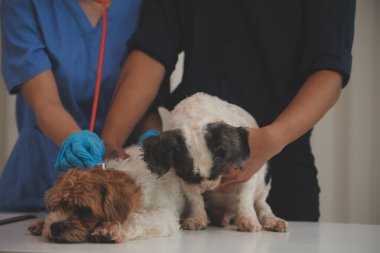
(82, 149)
(264, 144)
(114, 151)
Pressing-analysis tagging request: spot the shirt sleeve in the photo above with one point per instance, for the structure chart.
(158, 32)
(329, 30)
(23, 50)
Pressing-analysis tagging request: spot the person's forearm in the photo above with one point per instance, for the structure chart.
(56, 123)
(52, 118)
(318, 94)
(137, 87)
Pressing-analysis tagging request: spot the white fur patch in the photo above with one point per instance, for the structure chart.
(191, 115)
(163, 200)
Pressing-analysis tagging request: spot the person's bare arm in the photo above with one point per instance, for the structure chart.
(52, 118)
(138, 85)
(318, 94)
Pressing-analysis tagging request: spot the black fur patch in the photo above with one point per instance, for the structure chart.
(158, 151)
(228, 145)
(169, 150)
(268, 175)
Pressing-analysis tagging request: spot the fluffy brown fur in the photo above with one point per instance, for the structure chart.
(84, 203)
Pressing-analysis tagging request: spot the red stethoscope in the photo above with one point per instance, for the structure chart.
(100, 63)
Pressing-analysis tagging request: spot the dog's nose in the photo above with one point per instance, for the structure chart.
(57, 228)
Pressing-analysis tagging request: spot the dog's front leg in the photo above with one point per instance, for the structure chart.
(267, 219)
(37, 227)
(108, 232)
(197, 218)
(246, 218)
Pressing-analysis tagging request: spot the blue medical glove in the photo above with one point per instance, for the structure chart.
(82, 149)
(146, 135)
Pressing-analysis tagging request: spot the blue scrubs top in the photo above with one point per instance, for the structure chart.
(55, 35)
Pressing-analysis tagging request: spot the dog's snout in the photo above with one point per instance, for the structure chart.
(57, 228)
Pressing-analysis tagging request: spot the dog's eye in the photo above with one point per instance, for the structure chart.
(83, 211)
(64, 206)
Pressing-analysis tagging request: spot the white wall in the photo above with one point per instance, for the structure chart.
(8, 131)
(345, 142)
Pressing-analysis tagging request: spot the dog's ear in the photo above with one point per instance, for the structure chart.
(159, 150)
(227, 144)
(119, 193)
(51, 199)
(52, 195)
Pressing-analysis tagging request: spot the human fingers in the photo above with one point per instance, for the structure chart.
(229, 177)
(77, 156)
(62, 164)
(115, 153)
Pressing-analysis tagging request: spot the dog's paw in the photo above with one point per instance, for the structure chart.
(191, 223)
(246, 224)
(226, 220)
(36, 227)
(108, 232)
(276, 225)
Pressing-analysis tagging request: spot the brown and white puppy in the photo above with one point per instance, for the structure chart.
(113, 205)
(206, 134)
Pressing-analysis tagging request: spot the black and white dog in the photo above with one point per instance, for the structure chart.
(206, 134)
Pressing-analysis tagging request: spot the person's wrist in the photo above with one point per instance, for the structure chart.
(114, 150)
(275, 137)
(111, 146)
(65, 136)
(112, 141)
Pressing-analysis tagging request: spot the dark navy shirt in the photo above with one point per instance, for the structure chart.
(253, 53)
(256, 54)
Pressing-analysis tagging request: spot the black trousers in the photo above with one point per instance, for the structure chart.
(294, 194)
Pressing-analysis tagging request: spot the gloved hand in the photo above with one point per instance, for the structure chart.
(147, 134)
(82, 149)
